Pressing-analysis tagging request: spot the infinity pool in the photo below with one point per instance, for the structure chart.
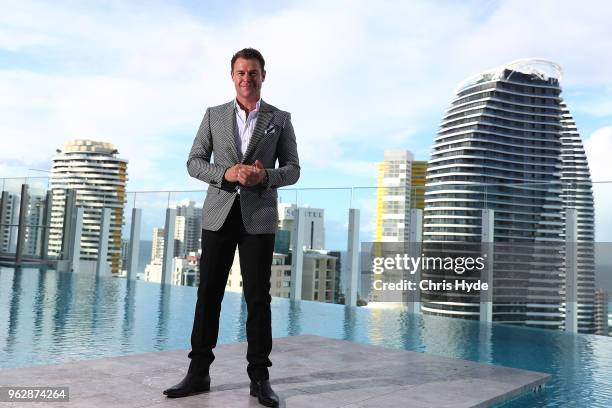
(49, 317)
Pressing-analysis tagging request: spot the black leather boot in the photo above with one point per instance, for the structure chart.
(264, 393)
(191, 384)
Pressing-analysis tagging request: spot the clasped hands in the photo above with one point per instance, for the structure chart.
(245, 174)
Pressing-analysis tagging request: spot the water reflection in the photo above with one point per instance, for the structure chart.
(294, 326)
(350, 321)
(163, 313)
(410, 327)
(241, 322)
(129, 306)
(49, 317)
(11, 336)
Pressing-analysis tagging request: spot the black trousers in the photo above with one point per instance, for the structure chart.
(218, 248)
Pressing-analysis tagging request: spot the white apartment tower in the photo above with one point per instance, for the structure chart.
(98, 176)
(157, 245)
(9, 215)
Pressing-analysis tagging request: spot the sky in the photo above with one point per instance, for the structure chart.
(357, 79)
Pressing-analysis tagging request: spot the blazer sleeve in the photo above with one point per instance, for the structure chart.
(198, 163)
(288, 171)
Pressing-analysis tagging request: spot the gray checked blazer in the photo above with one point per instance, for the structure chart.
(273, 139)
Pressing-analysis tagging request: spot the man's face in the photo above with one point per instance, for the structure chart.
(248, 77)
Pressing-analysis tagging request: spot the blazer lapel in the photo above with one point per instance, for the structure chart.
(229, 122)
(263, 119)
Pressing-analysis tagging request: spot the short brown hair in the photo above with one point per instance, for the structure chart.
(249, 53)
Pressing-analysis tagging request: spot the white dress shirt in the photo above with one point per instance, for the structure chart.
(245, 126)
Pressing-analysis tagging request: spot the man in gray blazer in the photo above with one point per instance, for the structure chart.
(235, 152)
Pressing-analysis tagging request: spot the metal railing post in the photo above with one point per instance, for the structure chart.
(353, 257)
(487, 238)
(571, 270)
(44, 244)
(75, 239)
(102, 263)
(297, 253)
(134, 245)
(166, 277)
(67, 232)
(22, 227)
(415, 238)
(4, 197)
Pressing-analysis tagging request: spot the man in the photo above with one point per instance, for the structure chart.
(246, 136)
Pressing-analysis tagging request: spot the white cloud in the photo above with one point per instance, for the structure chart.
(596, 103)
(598, 148)
(353, 76)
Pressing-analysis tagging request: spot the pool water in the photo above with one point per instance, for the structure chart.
(50, 317)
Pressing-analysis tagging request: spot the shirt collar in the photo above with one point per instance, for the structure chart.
(238, 109)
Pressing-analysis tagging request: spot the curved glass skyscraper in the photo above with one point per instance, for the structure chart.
(507, 144)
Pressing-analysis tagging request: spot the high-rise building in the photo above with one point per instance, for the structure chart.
(9, 215)
(401, 186)
(417, 184)
(187, 270)
(125, 251)
(499, 147)
(280, 277)
(577, 193)
(314, 233)
(34, 219)
(157, 245)
(393, 196)
(184, 271)
(98, 176)
(319, 276)
(601, 312)
(321, 268)
(187, 228)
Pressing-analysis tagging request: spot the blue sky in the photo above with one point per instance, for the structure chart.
(358, 79)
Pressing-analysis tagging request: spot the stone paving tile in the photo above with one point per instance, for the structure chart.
(308, 371)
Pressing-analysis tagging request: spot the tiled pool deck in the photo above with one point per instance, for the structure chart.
(309, 371)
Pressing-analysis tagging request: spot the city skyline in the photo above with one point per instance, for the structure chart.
(447, 240)
(148, 91)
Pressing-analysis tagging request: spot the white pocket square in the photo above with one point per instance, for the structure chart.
(270, 129)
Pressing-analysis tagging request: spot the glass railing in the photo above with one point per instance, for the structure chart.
(523, 214)
(11, 203)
